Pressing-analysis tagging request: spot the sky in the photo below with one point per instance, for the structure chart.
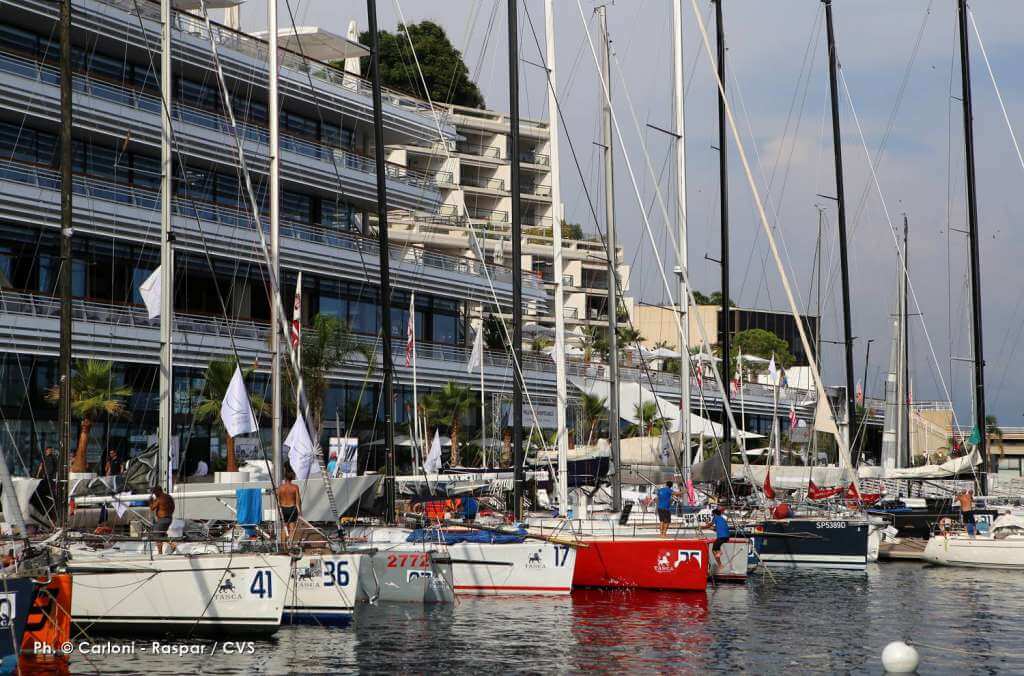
(900, 65)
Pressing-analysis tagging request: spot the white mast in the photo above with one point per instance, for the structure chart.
(165, 428)
(681, 250)
(556, 246)
(273, 110)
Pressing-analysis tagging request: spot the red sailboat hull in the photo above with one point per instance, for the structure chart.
(679, 564)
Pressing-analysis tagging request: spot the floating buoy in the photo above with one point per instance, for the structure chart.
(900, 658)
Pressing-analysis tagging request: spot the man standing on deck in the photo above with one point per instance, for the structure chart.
(966, 500)
(290, 501)
(722, 534)
(162, 506)
(665, 494)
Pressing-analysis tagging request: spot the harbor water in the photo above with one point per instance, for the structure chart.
(961, 621)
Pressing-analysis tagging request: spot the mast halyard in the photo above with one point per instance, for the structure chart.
(518, 457)
(681, 243)
(844, 267)
(613, 303)
(562, 441)
(384, 246)
(725, 318)
(972, 237)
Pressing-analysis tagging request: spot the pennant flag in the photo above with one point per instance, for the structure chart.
(150, 292)
(792, 416)
(300, 450)
(700, 377)
(410, 332)
(476, 357)
(860, 393)
(975, 438)
(296, 330)
(235, 411)
(691, 493)
(773, 372)
(432, 465)
(769, 492)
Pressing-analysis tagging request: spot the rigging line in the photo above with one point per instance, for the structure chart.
(647, 224)
(464, 212)
(892, 229)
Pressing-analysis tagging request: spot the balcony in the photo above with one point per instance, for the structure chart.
(31, 195)
(492, 215)
(475, 149)
(531, 157)
(496, 184)
(535, 190)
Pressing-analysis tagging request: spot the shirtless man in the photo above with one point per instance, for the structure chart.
(290, 502)
(162, 506)
(966, 500)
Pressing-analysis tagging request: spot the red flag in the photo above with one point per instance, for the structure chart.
(410, 331)
(700, 377)
(792, 416)
(296, 328)
(860, 393)
(769, 492)
(816, 493)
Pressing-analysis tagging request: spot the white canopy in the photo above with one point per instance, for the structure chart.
(317, 43)
(661, 353)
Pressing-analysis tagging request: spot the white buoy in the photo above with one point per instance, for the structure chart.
(900, 658)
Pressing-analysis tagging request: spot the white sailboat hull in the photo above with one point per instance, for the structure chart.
(500, 569)
(174, 594)
(323, 588)
(978, 552)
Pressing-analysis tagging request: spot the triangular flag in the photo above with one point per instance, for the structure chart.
(235, 410)
(769, 492)
(150, 292)
(476, 357)
(432, 464)
(773, 372)
(975, 438)
(300, 450)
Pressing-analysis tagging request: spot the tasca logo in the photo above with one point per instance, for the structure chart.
(666, 564)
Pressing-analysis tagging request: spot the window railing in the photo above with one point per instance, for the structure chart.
(531, 221)
(534, 158)
(481, 182)
(480, 150)
(488, 214)
(537, 189)
(444, 178)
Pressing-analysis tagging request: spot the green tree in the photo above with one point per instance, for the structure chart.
(572, 230)
(760, 343)
(628, 337)
(447, 406)
(716, 299)
(700, 298)
(444, 70)
(993, 431)
(593, 413)
(93, 393)
(215, 386)
(650, 421)
(539, 343)
(327, 345)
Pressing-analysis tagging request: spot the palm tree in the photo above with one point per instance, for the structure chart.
(539, 343)
(326, 346)
(992, 430)
(593, 412)
(215, 386)
(93, 394)
(650, 422)
(447, 405)
(629, 337)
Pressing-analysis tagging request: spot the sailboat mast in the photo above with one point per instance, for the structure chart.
(562, 441)
(681, 244)
(166, 376)
(517, 261)
(613, 303)
(273, 113)
(725, 319)
(64, 286)
(844, 266)
(905, 351)
(384, 247)
(972, 238)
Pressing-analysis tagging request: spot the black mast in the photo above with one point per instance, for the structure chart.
(905, 321)
(844, 266)
(384, 247)
(517, 255)
(725, 318)
(972, 238)
(64, 282)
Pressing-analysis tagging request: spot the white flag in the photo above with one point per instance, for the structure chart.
(235, 411)
(476, 357)
(773, 373)
(150, 292)
(300, 450)
(295, 335)
(432, 464)
(120, 508)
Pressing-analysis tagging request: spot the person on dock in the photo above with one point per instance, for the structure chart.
(162, 506)
(470, 507)
(665, 494)
(112, 464)
(722, 533)
(290, 501)
(966, 500)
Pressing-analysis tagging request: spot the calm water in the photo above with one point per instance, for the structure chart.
(962, 621)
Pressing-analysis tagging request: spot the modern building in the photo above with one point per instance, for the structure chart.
(328, 185)
(475, 167)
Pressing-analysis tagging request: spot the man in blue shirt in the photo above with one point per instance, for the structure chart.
(665, 494)
(721, 528)
(470, 507)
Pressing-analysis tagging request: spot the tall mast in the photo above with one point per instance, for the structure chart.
(165, 433)
(613, 303)
(972, 237)
(908, 452)
(844, 268)
(517, 261)
(273, 111)
(64, 286)
(562, 440)
(681, 245)
(725, 320)
(385, 266)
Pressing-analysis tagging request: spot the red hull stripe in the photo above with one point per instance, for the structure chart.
(511, 588)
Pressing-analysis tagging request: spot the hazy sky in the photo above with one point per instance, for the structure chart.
(779, 90)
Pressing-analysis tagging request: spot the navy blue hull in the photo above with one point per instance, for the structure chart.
(813, 543)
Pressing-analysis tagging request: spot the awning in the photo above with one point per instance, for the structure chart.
(316, 43)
